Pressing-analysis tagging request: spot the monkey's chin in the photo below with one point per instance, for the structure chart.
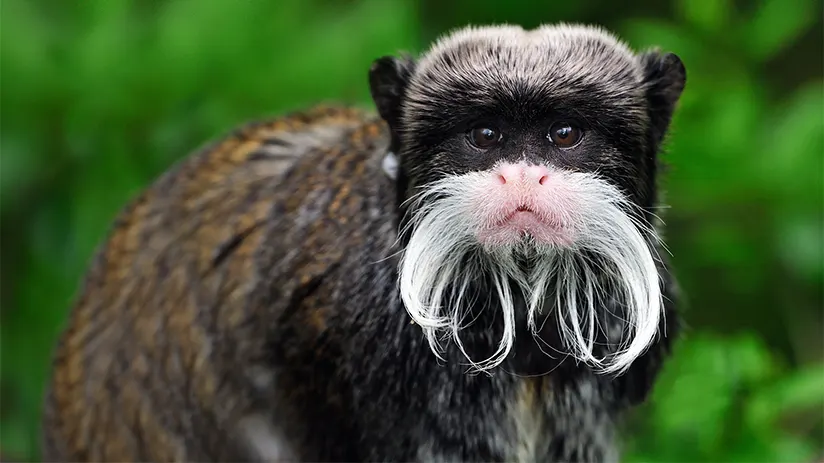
(525, 229)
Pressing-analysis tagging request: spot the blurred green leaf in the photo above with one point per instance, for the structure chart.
(694, 409)
(791, 143)
(708, 15)
(802, 246)
(776, 24)
(648, 33)
(803, 390)
(17, 171)
(795, 449)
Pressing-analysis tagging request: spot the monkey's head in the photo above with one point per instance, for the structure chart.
(529, 157)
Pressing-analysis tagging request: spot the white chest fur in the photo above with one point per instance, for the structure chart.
(264, 441)
(528, 423)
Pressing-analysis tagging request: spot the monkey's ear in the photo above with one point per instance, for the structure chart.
(388, 80)
(665, 77)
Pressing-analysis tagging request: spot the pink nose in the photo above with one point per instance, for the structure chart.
(514, 173)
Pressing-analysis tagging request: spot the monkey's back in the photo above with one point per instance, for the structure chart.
(148, 367)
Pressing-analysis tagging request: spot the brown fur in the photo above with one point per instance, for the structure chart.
(161, 307)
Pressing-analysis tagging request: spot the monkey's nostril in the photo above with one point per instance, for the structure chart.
(544, 179)
(502, 179)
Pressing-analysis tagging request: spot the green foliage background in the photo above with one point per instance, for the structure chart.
(98, 97)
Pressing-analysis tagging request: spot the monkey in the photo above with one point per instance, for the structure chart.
(471, 270)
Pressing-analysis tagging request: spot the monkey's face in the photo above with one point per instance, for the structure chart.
(526, 126)
(531, 155)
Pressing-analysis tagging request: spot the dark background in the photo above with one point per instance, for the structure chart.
(99, 97)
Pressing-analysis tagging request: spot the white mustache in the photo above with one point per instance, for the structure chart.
(434, 276)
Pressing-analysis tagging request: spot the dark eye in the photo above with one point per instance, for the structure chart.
(564, 135)
(484, 137)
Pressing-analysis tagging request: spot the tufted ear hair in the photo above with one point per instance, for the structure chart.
(664, 81)
(664, 77)
(389, 78)
(388, 81)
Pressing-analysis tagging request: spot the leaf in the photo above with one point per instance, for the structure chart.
(801, 390)
(792, 449)
(776, 24)
(18, 169)
(647, 33)
(800, 245)
(697, 373)
(696, 398)
(791, 141)
(707, 15)
(750, 359)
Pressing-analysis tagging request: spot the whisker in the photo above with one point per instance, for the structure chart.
(613, 264)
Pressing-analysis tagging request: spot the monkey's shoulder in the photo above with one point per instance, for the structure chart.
(205, 218)
(165, 298)
(224, 190)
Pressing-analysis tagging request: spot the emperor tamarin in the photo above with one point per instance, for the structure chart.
(475, 272)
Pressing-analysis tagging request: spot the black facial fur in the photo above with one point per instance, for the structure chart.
(665, 78)
(521, 82)
(388, 82)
